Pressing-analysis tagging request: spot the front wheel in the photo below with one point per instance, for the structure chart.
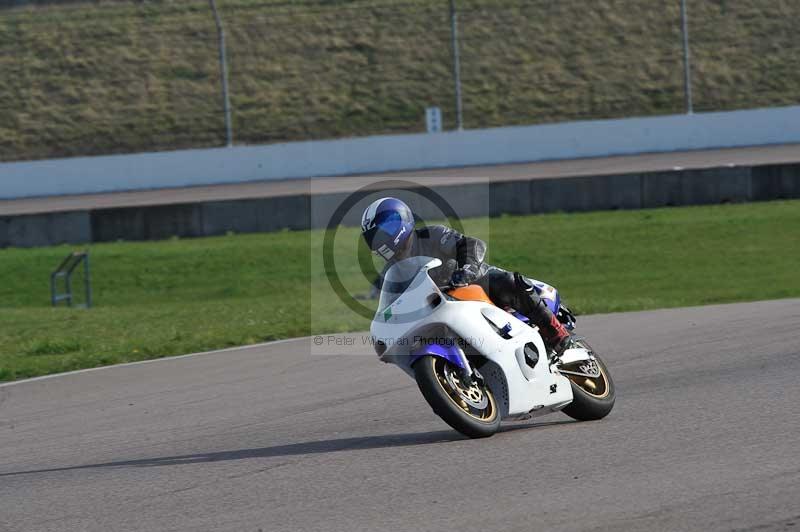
(592, 389)
(470, 409)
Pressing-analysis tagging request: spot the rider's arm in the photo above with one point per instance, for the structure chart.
(468, 252)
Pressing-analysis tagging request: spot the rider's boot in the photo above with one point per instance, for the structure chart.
(556, 337)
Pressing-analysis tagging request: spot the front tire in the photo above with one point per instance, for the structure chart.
(472, 410)
(593, 398)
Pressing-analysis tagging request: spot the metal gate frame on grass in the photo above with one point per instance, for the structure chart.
(65, 270)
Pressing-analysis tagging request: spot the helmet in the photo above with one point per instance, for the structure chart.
(386, 226)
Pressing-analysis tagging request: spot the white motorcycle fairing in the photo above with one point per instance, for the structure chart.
(421, 320)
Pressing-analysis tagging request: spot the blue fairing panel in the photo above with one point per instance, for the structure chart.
(554, 305)
(447, 352)
(550, 295)
(521, 317)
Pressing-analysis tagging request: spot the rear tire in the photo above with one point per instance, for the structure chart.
(592, 398)
(452, 402)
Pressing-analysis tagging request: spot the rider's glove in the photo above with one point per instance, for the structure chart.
(465, 275)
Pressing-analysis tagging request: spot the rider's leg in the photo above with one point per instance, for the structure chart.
(508, 289)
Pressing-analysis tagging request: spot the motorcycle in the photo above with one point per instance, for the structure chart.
(477, 364)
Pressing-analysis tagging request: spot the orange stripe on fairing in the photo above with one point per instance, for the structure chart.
(472, 292)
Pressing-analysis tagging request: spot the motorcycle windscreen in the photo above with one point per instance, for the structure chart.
(402, 277)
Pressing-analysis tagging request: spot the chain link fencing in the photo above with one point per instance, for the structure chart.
(122, 76)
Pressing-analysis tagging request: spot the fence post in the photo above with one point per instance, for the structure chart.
(687, 62)
(456, 64)
(223, 66)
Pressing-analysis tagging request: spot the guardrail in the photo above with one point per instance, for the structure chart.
(571, 140)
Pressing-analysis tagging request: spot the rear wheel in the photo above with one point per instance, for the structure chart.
(592, 389)
(470, 408)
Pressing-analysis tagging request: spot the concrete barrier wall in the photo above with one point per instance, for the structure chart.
(308, 211)
(400, 152)
(45, 229)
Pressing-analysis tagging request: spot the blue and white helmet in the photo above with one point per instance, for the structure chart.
(387, 225)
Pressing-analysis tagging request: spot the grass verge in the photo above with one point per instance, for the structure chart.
(156, 299)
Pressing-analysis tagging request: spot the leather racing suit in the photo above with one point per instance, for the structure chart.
(465, 255)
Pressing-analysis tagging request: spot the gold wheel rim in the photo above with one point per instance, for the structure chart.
(489, 413)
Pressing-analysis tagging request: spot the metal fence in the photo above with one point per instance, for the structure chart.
(122, 76)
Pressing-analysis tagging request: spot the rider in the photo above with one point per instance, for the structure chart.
(388, 228)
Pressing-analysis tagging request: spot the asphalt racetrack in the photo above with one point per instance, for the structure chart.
(705, 436)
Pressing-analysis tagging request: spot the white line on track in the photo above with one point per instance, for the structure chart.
(154, 360)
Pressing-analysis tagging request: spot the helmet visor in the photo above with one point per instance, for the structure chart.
(385, 232)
